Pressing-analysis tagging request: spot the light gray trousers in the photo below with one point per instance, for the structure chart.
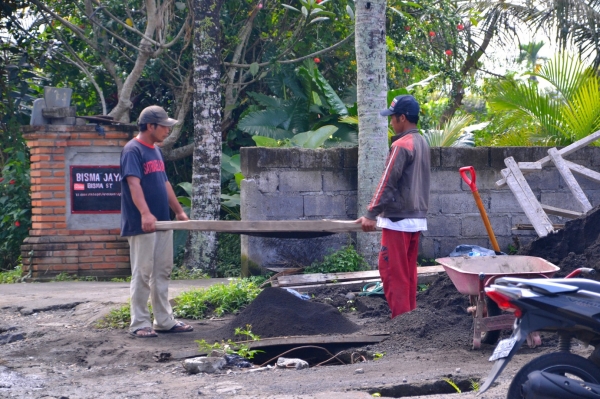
(151, 257)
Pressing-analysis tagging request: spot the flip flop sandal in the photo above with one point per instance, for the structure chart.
(179, 327)
(146, 332)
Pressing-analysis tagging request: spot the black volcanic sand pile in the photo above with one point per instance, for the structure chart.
(276, 313)
(439, 321)
(576, 245)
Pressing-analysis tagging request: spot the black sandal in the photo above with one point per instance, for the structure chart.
(146, 332)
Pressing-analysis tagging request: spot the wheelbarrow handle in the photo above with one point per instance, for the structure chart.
(472, 176)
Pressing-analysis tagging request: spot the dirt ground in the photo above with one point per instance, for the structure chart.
(63, 356)
(56, 352)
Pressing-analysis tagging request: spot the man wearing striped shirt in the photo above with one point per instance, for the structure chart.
(399, 205)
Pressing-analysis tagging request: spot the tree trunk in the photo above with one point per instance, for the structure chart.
(371, 98)
(201, 249)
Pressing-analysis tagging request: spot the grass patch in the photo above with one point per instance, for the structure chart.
(343, 260)
(218, 299)
(11, 276)
(116, 318)
(181, 273)
(119, 318)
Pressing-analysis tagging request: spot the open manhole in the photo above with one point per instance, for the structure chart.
(440, 387)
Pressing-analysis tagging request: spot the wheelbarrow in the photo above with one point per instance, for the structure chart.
(471, 275)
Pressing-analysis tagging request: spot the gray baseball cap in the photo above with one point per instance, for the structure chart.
(155, 114)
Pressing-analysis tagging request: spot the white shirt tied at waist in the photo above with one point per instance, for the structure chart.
(409, 225)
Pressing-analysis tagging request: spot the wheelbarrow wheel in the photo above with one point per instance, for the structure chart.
(492, 309)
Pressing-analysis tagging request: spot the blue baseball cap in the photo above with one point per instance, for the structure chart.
(404, 104)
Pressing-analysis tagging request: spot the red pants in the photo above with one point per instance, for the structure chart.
(398, 269)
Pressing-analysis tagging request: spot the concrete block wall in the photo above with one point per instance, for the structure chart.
(283, 184)
(56, 244)
(295, 184)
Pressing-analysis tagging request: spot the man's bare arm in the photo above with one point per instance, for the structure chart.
(137, 195)
(174, 203)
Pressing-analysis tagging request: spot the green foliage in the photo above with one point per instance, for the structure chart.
(121, 280)
(11, 276)
(15, 202)
(181, 273)
(63, 276)
(229, 261)
(231, 347)
(452, 384)
(117, 318)
(218, 299)
(309, 119)
(452, 134)
(559, 116)
(344, 260)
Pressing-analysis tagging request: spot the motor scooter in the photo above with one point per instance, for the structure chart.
(569, 306)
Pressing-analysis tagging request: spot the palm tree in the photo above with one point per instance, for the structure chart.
(201, 249)
(371, 98)
(566, 114)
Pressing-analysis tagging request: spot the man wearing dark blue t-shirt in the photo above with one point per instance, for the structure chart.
(146, 196)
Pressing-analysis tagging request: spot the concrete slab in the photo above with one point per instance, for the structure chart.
(40, 296)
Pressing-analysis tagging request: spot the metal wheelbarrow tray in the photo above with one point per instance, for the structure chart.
(470, 275)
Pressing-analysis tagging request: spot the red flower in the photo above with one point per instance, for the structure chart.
(12, 181)
(448, 52)
(17, 223)
(319, 1)
(432, 34)
(316, 60)
(406, 70)
(1, 179)
(460, 26)
(407, 28)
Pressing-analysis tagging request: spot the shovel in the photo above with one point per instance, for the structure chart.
(471, 183)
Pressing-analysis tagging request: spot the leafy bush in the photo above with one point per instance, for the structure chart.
(11, 276)
(15, 203)
(344, 260)
(218, 299)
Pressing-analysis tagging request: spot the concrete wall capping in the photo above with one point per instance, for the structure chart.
(453, 217)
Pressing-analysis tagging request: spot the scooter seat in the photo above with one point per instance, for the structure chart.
(581, 283)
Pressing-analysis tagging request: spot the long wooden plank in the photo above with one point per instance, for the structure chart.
(583, 171)
(316, 278)
(526, 198)
(565, 151)
(262, 226)
(561, 212)
(568, 177)
(424, 278)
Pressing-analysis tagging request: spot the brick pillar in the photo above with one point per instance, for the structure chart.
(61, 240)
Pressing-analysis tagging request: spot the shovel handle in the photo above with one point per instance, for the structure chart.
(472, 176)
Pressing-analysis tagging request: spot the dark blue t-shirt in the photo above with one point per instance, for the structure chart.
(146, 163)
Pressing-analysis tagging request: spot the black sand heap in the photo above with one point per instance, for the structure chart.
(576, 245)
(277, 313)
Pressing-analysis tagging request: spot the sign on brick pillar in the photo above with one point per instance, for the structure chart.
(75, 220)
